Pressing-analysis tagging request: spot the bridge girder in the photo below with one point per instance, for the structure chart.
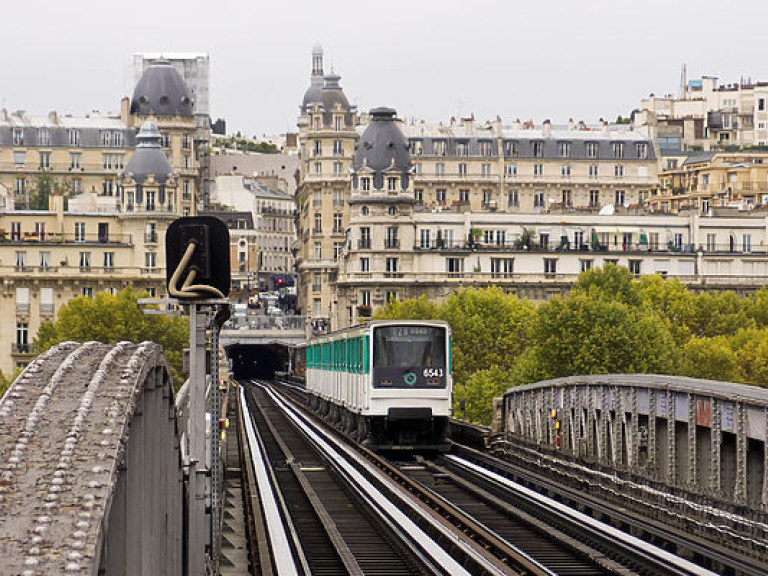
(90, 466)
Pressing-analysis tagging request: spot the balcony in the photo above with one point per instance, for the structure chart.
(392, 243)
(364, 311)
(23, 349)
(22, 308)
(364, 244)
(59, 238)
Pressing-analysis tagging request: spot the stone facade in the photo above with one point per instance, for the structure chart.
(714, 180)
(707, 115)
(262, 233)
(60, 254)
(101, 222)
(519, 206)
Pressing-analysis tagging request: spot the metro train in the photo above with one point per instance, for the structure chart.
(386, 384)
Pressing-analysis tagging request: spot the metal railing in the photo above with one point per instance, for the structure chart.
(65, 238)
(259, 322)
(22, 349)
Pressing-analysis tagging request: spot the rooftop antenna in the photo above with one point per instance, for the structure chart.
(684, 82)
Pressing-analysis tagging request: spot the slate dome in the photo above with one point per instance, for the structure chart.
(161, 91)
(382, 147)
(148, 158)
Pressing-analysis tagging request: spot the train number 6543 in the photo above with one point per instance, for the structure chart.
(433, 372)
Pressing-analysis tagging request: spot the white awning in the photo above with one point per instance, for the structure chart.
(628, 230)
(606, 229)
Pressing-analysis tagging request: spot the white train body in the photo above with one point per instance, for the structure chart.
(388, 382)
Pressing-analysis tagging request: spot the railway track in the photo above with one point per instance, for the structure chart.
(698, 543)
(328, 511)
(454, 508)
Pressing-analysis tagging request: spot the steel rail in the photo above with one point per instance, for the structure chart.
(667, 562)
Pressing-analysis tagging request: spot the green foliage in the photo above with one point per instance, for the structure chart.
(751, 347)
(414, 309)
(610, 282)
(490, 329)
(470, 400)
(110, 319)
(588, 334)
(672, 302)
(610, 322)
(756, 308)
(712, 358)
(4, 383)
(41, 190)
(719, 313)
(237, 142)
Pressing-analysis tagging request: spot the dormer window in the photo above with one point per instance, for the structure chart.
(415, 147)
(391, 184)
(366, 183)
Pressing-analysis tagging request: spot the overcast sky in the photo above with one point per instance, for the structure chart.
(428, 59)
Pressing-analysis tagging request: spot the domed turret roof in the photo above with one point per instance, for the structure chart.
(311, 96)
(148, 158)
(332, 94)
(161, 91)
(382, 145)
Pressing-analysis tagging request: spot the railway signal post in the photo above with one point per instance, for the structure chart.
(198, 275)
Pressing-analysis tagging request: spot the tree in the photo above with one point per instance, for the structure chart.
(413, 309)
(587, 334)
(719, 313)
(473, 400)
(610, 282)
(751, 349)
(673, 302)
(5, 383)
(709, 357)
(490, 329)
(113, 318)
(756, 307)
(41, 191)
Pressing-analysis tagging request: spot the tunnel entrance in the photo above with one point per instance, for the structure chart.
(257, 361)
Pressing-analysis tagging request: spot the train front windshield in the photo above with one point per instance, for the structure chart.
(409, 356)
